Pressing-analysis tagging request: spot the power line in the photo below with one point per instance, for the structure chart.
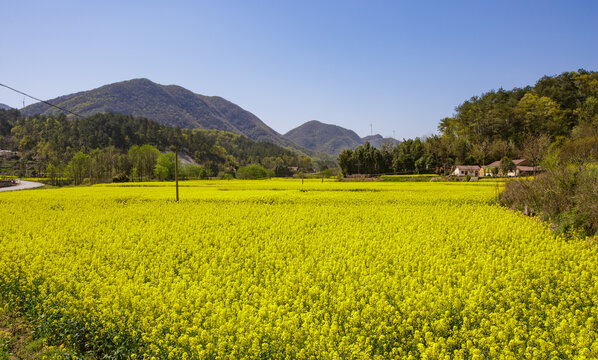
(45, 102)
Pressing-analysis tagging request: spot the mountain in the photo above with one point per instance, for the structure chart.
(378, 140)
(322, 137)
(168, 105)
(331, 139)
(5, 107)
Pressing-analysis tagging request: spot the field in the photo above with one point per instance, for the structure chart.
(280, 269)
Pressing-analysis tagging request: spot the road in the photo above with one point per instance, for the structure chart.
(22, 186)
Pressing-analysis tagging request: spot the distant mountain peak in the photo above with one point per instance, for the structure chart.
(5, 107)
(328, 138)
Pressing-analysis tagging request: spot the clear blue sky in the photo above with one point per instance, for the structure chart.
(395, 64)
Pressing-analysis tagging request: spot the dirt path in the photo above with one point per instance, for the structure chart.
(22, 186)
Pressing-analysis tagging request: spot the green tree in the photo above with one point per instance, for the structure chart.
(282, 170)
(165, 166)
(507, 165)
(52, 172)
(192, 171)
(345, 162)
(149, 156)
(252, 172)
(540, 115)
(78, 167)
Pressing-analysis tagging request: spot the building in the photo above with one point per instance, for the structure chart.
(464, 170)
(523, 168)
(9, 153)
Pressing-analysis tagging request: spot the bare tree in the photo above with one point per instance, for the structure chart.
(534, 148)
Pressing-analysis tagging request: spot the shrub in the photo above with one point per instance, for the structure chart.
(225, 176)
(566, 196)
(191, 171)
(252, 172)
(122, 177)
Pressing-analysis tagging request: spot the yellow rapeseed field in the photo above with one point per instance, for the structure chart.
(276, 269)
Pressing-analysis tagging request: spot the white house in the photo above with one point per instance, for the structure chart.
(464, 170)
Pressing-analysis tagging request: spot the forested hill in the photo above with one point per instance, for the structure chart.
(501, 120)
(4, 107)
(331, 139)
(168, 105)
(54, 140)
(558, 115)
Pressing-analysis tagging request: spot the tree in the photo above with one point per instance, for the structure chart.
(507, 165)
(78, 167)
(252, 172)
(304, 164)
(135, 162)
(52, 172)
(540, 115)
(165, 166)
(282, 170)
(192, 171)
(149, 155)
(345, 162)
(534, 148)
(480, 151)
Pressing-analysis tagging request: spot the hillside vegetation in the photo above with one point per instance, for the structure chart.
(517, 123)
(53, 141)
(566, 193)
(168, 105)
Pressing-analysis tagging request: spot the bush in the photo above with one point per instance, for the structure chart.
(565, 196)
(282, 171)
(252, 172)
(191, 171)
(122, 177)
(225, 176)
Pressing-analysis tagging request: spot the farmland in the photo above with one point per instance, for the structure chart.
(281, 269)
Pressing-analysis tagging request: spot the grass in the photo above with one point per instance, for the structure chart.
(19, 341)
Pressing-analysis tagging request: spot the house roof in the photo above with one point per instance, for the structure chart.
(497, 163)
(527, 168)
(468, 167)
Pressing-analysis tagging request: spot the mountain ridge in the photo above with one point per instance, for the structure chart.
(166, 104)
(331, 139)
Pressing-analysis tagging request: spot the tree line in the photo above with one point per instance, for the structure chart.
(519, 123)
(116, 145)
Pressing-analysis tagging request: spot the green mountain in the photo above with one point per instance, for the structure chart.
(330, 139)
(5, 107)
(168, 105)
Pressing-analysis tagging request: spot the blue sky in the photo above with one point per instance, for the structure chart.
(400, 66)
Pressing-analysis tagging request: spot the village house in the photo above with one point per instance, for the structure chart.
(464, 170)
(523, 168)
(9, 153)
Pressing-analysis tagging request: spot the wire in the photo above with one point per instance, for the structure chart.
(45, 102)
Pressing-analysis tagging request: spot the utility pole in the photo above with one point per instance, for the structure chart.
(371, 129)
(176, 170)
